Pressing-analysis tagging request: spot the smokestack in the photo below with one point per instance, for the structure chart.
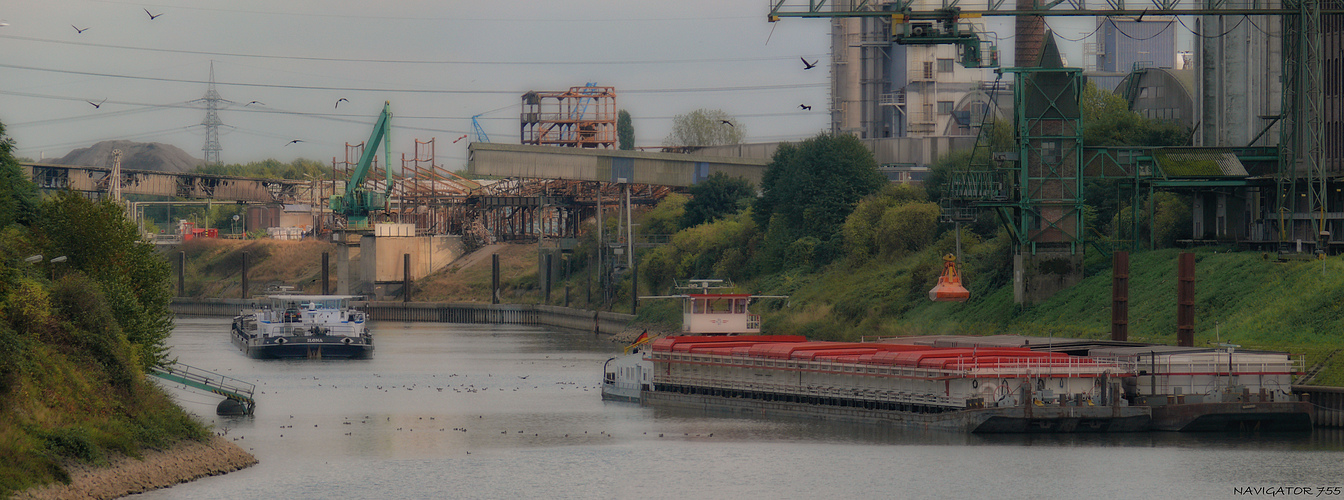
(1030, 38)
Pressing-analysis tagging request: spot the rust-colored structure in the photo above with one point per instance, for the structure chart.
(1185, 300)
(439, 201)
(581, 117)
(1120, 296)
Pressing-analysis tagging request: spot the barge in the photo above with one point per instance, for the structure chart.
(303, 326)
(971, 390)
(984, 384)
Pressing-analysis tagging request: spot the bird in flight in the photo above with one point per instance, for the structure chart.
(294, 141)
(804, 106)
(78, 30)
(728, 123)
(254, 102)
(98, 105)
(338, 101)
(809, 65)
(152, 16)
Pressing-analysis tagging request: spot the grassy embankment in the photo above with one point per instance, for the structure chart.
(1240, 298)
(73, 390)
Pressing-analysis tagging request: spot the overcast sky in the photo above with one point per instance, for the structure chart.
(437, 62)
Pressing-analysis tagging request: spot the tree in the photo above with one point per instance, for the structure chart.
(1108, 121)
(18, 195)
(625, 130)
(102, 243)
(717, 196)
(809, 189)
(704, 127)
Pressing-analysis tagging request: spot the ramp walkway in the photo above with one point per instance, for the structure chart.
(208, 381)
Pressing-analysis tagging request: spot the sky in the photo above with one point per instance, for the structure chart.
(438, 62)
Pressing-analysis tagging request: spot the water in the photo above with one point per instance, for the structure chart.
(536, 427)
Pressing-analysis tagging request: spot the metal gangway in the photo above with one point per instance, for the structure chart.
(208, 381)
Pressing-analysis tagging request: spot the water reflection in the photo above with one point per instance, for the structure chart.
(497, 411)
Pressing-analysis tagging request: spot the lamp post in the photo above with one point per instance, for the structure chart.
(57, 260)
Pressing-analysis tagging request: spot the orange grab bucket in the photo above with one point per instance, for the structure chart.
(949, 287)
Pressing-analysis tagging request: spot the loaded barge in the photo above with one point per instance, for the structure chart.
(987, 384)
(303, 326)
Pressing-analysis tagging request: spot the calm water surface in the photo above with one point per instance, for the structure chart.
(500, 411)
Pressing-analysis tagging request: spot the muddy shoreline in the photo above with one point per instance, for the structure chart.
(184, 462)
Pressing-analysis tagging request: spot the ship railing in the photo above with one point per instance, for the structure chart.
(1210, 377)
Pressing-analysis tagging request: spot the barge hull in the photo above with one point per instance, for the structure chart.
(304, 350)
(1233, 416)
(977, 420)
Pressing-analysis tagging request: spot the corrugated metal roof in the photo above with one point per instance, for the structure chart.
(1199, 162)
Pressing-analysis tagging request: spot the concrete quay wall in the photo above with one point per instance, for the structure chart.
(513, 314)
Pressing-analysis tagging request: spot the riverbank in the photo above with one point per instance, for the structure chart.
(187, 461)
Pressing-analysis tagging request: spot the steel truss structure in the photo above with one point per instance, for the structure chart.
(1301, 174)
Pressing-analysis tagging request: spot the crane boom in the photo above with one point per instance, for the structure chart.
(357, 201)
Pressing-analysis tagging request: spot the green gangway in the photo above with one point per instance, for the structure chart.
(208, 381)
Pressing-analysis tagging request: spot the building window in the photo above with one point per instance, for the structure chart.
(1143, 92)
(944, 65)
(928, 70)
(1050, 153)
(944, 107)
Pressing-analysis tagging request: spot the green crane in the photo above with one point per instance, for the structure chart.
(357, 201)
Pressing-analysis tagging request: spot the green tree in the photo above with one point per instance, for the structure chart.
(704, 127)
(625, 130)
(272, 169)
(809, 190)
(665, 218)
(1107, 121)
(719, 249)
(717, 196)
(890, 223)
(101, 242)
(18, 195)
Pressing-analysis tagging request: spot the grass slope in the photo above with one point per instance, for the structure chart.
(1239, 298)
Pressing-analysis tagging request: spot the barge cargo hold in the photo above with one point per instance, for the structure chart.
(974, 390)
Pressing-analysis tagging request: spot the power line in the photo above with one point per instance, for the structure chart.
(414, 91)
(548, 20)
(406, 61)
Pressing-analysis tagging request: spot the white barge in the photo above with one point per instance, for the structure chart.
(303, 326)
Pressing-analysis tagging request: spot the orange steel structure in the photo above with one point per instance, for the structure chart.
(582, 117)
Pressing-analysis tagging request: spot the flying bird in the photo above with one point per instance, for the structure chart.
(98, 105)
(728, 123)
(78, 30)
(464, 136)
(809, 65)
(294, 141)
(254, 102)
(338, 101)
(804, 106)
(152, 16)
